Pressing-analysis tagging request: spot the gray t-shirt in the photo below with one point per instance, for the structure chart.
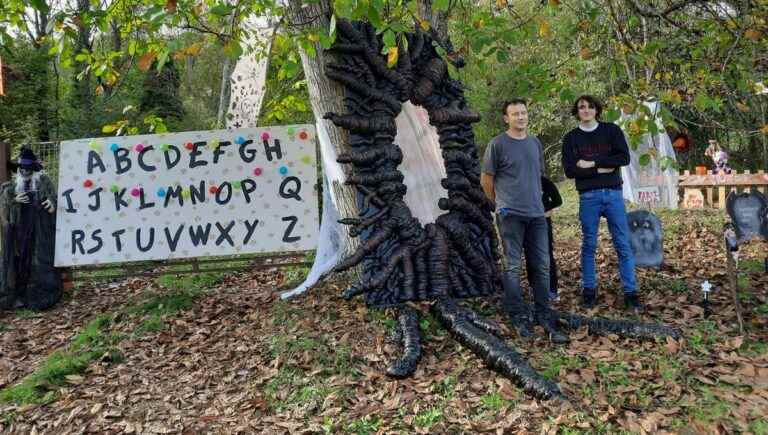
(516, 166)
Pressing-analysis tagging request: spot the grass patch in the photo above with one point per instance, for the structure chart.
(556, 360)
(364, 426)
(445, 387)
(291, 388)
(493, 402)
(26, 314)
(704, 336)
(708, 407)
(759, 427)
(94, 342)
(428, 417)
(97, 341)
(752, 266)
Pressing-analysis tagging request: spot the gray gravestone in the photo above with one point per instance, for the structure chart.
(646, 237)
(748, 213)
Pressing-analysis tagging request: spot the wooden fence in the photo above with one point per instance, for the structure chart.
(710, 190)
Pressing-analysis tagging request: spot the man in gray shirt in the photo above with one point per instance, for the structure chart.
(512, 170)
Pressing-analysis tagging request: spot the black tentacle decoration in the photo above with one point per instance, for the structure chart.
(622, 328)
(408, 334)
(456, 256)
(494, 352)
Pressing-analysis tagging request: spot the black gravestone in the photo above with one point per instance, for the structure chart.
(646, 238)
(748, 214)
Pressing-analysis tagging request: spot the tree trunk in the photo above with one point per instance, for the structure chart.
(82, 90)
(325, 96)
(226, 76)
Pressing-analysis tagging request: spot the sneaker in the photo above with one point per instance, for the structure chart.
(632, 302)
(589, 297)
(553, 296)
(523, 326)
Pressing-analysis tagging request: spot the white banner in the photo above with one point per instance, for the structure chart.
(190, 194)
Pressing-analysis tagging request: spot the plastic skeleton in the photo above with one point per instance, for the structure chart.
(457, 256)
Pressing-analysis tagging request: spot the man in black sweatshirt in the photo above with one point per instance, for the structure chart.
(592, 154)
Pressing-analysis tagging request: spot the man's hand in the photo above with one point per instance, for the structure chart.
(605, 170)
(48, 206)
(22, 198)
(585, 164)
(549, 213)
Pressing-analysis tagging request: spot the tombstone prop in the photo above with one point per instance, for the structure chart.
(645, 235)
(748, 214)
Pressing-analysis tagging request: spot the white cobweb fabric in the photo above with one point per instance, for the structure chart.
(248, 79)
(422, 167)
(642, 181)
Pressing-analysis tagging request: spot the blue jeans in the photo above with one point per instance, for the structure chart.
(609, 203)
(520, 234)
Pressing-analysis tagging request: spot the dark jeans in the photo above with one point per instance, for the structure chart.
(552, 263)
(522, 234)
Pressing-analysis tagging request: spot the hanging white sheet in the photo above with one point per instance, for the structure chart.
(649, 186)
(422, 167)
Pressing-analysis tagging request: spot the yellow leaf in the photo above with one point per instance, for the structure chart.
(424, 24)
(585, 53)
(764, 129)
(194, 49)
(501, 4)
(313, 37)
(544, 31)
(179, 55)
(479, 23)
(392, 57)
(753, 34)
(145, 61)
(99, 90)
(554, 2)
(742, 107)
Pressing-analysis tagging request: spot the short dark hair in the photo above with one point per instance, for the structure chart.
(512, 102)
(592, 102)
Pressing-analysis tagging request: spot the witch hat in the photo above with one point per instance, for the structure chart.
(27, 160)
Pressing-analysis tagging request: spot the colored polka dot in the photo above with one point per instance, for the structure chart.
(94, 145)
(213, 189)
(283, 170)
(306, 160)
(139, 148)
(236, 184)
(114, 147)
(240, 140)
(164, 147)
(257, 171)
(114, 188)
(303, 135)
(265, 136)
(291, 131)
(135, 191)
(88, 184)
(161, 192)
(214, 144)
(189, 145)
(185, 193)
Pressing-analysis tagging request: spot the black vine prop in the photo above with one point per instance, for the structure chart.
(455, 257)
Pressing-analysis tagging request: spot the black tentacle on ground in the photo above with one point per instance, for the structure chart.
(402, 260)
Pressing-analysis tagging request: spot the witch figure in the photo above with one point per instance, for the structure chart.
(28, 223)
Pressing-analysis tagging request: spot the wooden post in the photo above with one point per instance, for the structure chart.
(710, 193)
(721, 197)
(734, 285)
(5, 157)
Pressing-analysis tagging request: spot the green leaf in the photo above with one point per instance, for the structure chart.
(389, 38)
(645, 160)
(109, 128)
(221, 9)
(441, 5)
(40, 5)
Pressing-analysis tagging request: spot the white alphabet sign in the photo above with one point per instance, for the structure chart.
(190, 194)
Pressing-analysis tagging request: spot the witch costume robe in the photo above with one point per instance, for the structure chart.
(27, 275)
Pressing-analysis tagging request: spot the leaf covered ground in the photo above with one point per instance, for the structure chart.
(224, 354)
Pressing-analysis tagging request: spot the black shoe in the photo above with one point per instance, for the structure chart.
(632, 302)
(523, 326)
(550, 328)
(589, 297)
